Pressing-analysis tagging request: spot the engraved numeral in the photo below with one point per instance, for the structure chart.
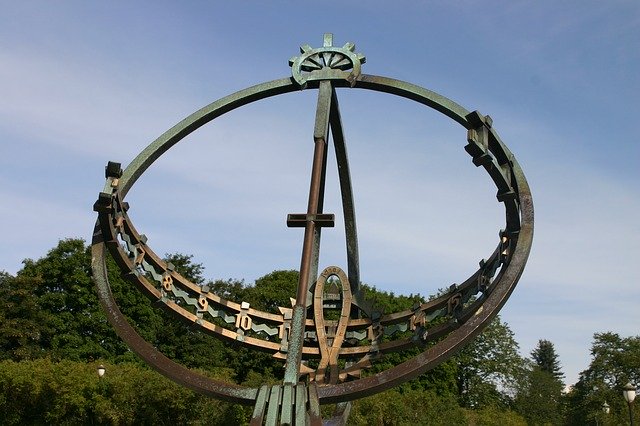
(203, 303)
(243, 322)
(167, 282)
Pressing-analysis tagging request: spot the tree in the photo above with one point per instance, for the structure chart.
(493, 416)
(58, 293)
(407, 407)
(50, 310)
(184, 265)
(273, 290)
(614, 362)
(546, 359)
(489, 368)
(23, 324)
(69, 392)
(539, 399)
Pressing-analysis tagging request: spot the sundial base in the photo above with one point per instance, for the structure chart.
(287, 405)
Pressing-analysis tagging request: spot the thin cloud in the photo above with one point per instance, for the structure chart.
(560, 83)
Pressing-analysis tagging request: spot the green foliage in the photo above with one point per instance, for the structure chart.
(493, 416)
(174, 338)
(50, 312)
(55, 300)
(184, 265)
(545, 357)
(614, 362)
(411, 407)
(269, 292)
(388, 302)
(615, 359)
(273, 290)
(229, 290)
(70, 393)
(23, 324)
(442, 380)
(539, 400)
(489, 368)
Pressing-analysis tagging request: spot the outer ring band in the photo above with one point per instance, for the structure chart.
(504, 283)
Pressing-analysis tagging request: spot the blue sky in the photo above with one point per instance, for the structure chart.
(82, 83)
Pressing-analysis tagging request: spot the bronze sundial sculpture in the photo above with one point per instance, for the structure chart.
(331, 334)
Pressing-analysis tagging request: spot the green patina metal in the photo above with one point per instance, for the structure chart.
(341, 347)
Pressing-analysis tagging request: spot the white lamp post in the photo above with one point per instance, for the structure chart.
(101, 370)
(629, 393)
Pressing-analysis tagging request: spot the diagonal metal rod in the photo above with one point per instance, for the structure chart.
(348, 206)
(311, 244)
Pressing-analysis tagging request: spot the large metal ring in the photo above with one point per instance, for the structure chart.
(485, 147)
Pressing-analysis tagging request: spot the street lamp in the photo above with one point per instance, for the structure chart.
(629, 393)
(604, 415)
(101, 370)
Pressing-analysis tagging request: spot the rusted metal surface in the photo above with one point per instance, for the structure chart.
(330, 336)
(331, 322)
(286, 404)
(147, 352)
(312, 233)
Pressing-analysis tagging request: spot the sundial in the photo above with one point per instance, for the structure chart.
(330, 335)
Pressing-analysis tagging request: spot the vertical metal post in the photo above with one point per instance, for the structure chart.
(311, 244)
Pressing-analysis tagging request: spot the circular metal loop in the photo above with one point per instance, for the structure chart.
(484, 146)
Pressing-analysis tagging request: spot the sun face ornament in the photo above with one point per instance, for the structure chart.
(331, 334)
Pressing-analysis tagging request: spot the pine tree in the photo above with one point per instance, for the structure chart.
(539, 399)
(545, 357)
